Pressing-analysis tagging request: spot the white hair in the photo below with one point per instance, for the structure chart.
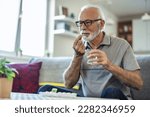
(96, 7)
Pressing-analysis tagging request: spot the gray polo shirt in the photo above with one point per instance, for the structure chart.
(95, 78)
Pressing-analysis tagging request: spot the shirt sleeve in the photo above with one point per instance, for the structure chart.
(129, 61)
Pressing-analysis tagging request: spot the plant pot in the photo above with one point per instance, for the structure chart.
(5, 87)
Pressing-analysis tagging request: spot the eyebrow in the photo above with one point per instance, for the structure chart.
(86, 20)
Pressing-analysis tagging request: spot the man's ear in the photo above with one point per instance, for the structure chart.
(102, 22)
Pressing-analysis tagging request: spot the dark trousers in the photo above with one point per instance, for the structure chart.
(113, 93)
(50, 87)
(59, 89)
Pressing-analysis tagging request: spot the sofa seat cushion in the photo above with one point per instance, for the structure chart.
(27, 79)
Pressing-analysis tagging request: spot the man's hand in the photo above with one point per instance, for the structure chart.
(78, 46)
(99, 58)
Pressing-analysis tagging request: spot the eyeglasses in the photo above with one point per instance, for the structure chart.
(86, 22)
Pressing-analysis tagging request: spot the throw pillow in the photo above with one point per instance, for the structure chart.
(27, 79)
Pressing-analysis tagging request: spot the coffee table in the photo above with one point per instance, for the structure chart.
(30, 96)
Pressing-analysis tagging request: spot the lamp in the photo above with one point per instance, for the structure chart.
(146, 16)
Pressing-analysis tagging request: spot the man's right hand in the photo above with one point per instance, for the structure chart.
(78, 46)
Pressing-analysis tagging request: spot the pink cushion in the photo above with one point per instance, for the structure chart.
(27, 81)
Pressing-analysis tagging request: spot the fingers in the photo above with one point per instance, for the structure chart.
(79, 46)
(77, 39)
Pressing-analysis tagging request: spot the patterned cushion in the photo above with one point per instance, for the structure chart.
(27, 79)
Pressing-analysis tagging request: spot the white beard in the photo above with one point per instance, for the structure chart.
(91, 37)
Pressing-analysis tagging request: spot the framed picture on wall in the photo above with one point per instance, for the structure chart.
(63, 10)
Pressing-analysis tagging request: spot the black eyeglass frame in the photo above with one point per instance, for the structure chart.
(85, 22)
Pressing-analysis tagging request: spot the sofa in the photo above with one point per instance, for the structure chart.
(144, 93)
(52, 69)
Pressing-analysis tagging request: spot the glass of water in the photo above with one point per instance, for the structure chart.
(89, 60)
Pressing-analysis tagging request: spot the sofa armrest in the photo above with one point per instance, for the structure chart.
(144, 93)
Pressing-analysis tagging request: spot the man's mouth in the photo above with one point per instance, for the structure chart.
(85, 34)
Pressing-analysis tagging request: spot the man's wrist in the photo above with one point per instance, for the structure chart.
(78, 54)
(108, 66)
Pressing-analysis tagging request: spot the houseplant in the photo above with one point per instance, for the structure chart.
(6, 78)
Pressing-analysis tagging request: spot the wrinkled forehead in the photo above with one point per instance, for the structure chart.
(89, 13)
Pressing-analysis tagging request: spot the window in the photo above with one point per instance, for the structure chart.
(33, 27)
(9, 10)
(28, 28)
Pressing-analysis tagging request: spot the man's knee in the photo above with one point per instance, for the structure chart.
(45, 88)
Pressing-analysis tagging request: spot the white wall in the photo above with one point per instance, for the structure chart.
(110, 28)
(63, 46)
(141, 36)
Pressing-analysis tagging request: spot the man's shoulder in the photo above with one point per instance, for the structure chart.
(119, 40)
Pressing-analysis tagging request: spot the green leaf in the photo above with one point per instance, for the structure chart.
(5, 70)
(1, 72)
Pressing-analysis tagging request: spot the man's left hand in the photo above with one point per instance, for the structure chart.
(99, 57)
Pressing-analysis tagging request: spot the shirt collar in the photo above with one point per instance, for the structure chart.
(106, 41)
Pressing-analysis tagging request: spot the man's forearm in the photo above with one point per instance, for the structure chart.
(131, 78)
(72, 74)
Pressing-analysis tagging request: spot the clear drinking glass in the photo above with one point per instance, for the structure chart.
(89, 60)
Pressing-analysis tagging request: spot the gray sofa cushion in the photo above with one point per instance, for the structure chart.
(144, 93)
(52, 68)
